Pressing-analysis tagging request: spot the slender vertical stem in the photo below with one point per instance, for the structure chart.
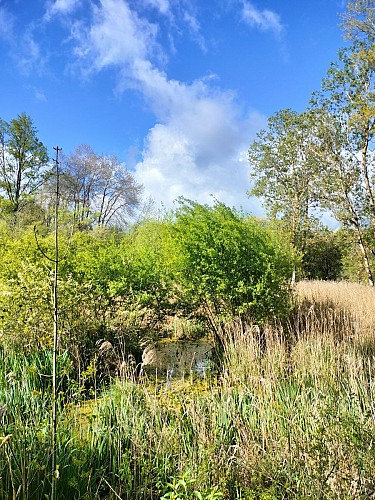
(55, 332)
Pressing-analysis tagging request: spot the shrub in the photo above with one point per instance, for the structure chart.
(229, 265)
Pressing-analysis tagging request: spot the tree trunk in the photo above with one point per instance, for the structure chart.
(365, 259)
(17, 192)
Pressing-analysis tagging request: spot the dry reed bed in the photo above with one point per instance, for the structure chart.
(312, 383)
(350, 301)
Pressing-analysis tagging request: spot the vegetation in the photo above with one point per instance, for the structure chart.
(23, 162)
(294, 420)
(230, 266)
(323, 159)
(96, 189)
(204, 263)
(287, 410)
(284, 170)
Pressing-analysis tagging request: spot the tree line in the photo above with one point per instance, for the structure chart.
(303, 164)
(95, 189)
(322, 159)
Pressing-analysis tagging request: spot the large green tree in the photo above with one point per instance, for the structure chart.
(283, 169)
(228, 265)
(345, 144)
(23, 162)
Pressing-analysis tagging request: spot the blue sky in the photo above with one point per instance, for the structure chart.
(176, 89)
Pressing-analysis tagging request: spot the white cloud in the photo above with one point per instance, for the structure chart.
(195, 29)
(25, 49)
(197, 147)
(162, 6)
(6, 24)
(171, 167)
(30, 57)
(117, 36)
(266, 20)
(60, 7)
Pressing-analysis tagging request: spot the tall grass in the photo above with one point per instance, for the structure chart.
(290, 417)
(24, 417)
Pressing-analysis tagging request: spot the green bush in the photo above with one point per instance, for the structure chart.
(201, 264)
(323, 254)
(229, 264)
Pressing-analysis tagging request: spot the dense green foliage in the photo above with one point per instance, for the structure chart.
(323, 255)
(23, 163)
(283, 167)
(102, 292)
(205, 263)
(229, 264)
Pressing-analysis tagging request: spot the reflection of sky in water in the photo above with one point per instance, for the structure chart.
(201, 367)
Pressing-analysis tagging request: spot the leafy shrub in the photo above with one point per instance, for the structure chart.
(230, 265)
(206, 264)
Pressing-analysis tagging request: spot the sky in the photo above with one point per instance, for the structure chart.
(176, 89)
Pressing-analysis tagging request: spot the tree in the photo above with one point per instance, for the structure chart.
(283, 168)
(359, 21)
(323, 255)
(345, 144)
(229, 266)
(23, 161)
(98, 188)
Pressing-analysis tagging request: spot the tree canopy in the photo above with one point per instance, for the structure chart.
(324, 157)
(97, 189)
(23, 162)
(284, 168)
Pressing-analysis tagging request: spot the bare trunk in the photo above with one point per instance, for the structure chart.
(17, 192)
(366, 262)
(362, 247)
(368, 186)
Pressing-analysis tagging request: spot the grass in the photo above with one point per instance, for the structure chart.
(291, 418)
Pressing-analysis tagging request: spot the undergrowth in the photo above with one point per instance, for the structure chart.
(291, 417)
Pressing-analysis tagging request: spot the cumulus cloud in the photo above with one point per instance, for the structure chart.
(197, 147)
(117, 36)
(173, 166)
(266, 20)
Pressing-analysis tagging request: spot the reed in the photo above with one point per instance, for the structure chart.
(288, 417)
